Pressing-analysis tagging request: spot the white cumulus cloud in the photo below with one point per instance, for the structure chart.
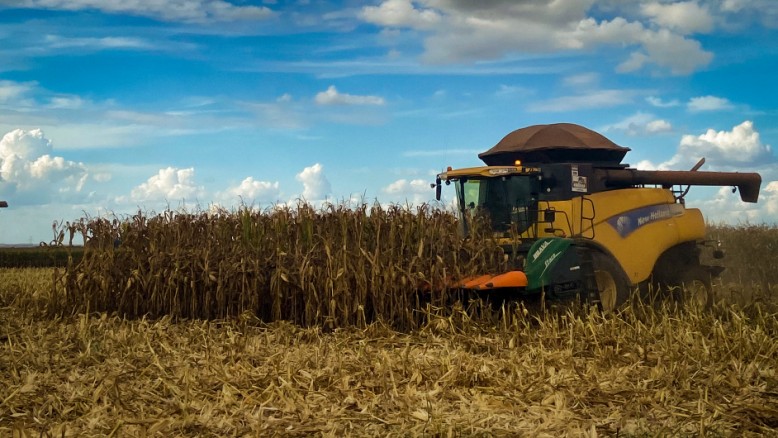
(740, 146)
(645, 165)
(169, 184)
(27, 145)
(415, 191)
(29, 174)
(404, 186)
(727, 207)
(316, 186)
(333, 97)
(251, 190)
(770, 198)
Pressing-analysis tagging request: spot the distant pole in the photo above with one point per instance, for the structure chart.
(3, 204)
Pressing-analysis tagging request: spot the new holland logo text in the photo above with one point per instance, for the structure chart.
(629, 221)
(653, 216)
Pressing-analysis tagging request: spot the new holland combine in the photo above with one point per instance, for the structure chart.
(574, 221)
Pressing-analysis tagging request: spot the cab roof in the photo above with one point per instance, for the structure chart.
(486, 172)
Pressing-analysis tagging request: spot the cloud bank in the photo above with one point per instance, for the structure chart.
(190, 11)
(462, 32)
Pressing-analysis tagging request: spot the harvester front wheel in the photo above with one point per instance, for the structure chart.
(612, 283)
(695, 289)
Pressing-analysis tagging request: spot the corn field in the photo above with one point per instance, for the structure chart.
(334, 267)
(645, 372)
(751, 259)
(304, 322)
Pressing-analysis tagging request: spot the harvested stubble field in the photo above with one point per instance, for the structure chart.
(77, 364)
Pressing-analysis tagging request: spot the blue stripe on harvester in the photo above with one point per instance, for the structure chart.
(629, 221)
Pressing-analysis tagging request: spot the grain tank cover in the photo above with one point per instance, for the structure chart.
(558, 142)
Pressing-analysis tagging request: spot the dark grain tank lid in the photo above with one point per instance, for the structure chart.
(554, 142)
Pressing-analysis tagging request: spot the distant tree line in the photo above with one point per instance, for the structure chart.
(39, 256)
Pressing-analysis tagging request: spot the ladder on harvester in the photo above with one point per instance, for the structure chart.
(590, 293)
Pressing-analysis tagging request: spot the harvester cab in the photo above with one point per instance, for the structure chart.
(574, 221)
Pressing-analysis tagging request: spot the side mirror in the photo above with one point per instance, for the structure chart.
(549, 216)
(437, 188)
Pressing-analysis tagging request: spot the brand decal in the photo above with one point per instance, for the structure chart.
(628, 222)
(552, 258)
(540, 249)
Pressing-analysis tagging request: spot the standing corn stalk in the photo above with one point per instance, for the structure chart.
(335, 266)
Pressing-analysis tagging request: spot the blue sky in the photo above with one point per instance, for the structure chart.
(109, 106)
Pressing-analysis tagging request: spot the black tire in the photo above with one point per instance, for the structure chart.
(694, 289)
(612, 282)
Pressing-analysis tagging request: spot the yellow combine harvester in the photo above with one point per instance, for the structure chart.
(574, 221)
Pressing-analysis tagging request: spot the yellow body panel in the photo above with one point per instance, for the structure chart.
(663, 224)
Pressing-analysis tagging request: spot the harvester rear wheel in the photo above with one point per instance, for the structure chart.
(611, 281)
(695, 289)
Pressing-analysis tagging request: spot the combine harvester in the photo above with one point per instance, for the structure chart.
(575, 222)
